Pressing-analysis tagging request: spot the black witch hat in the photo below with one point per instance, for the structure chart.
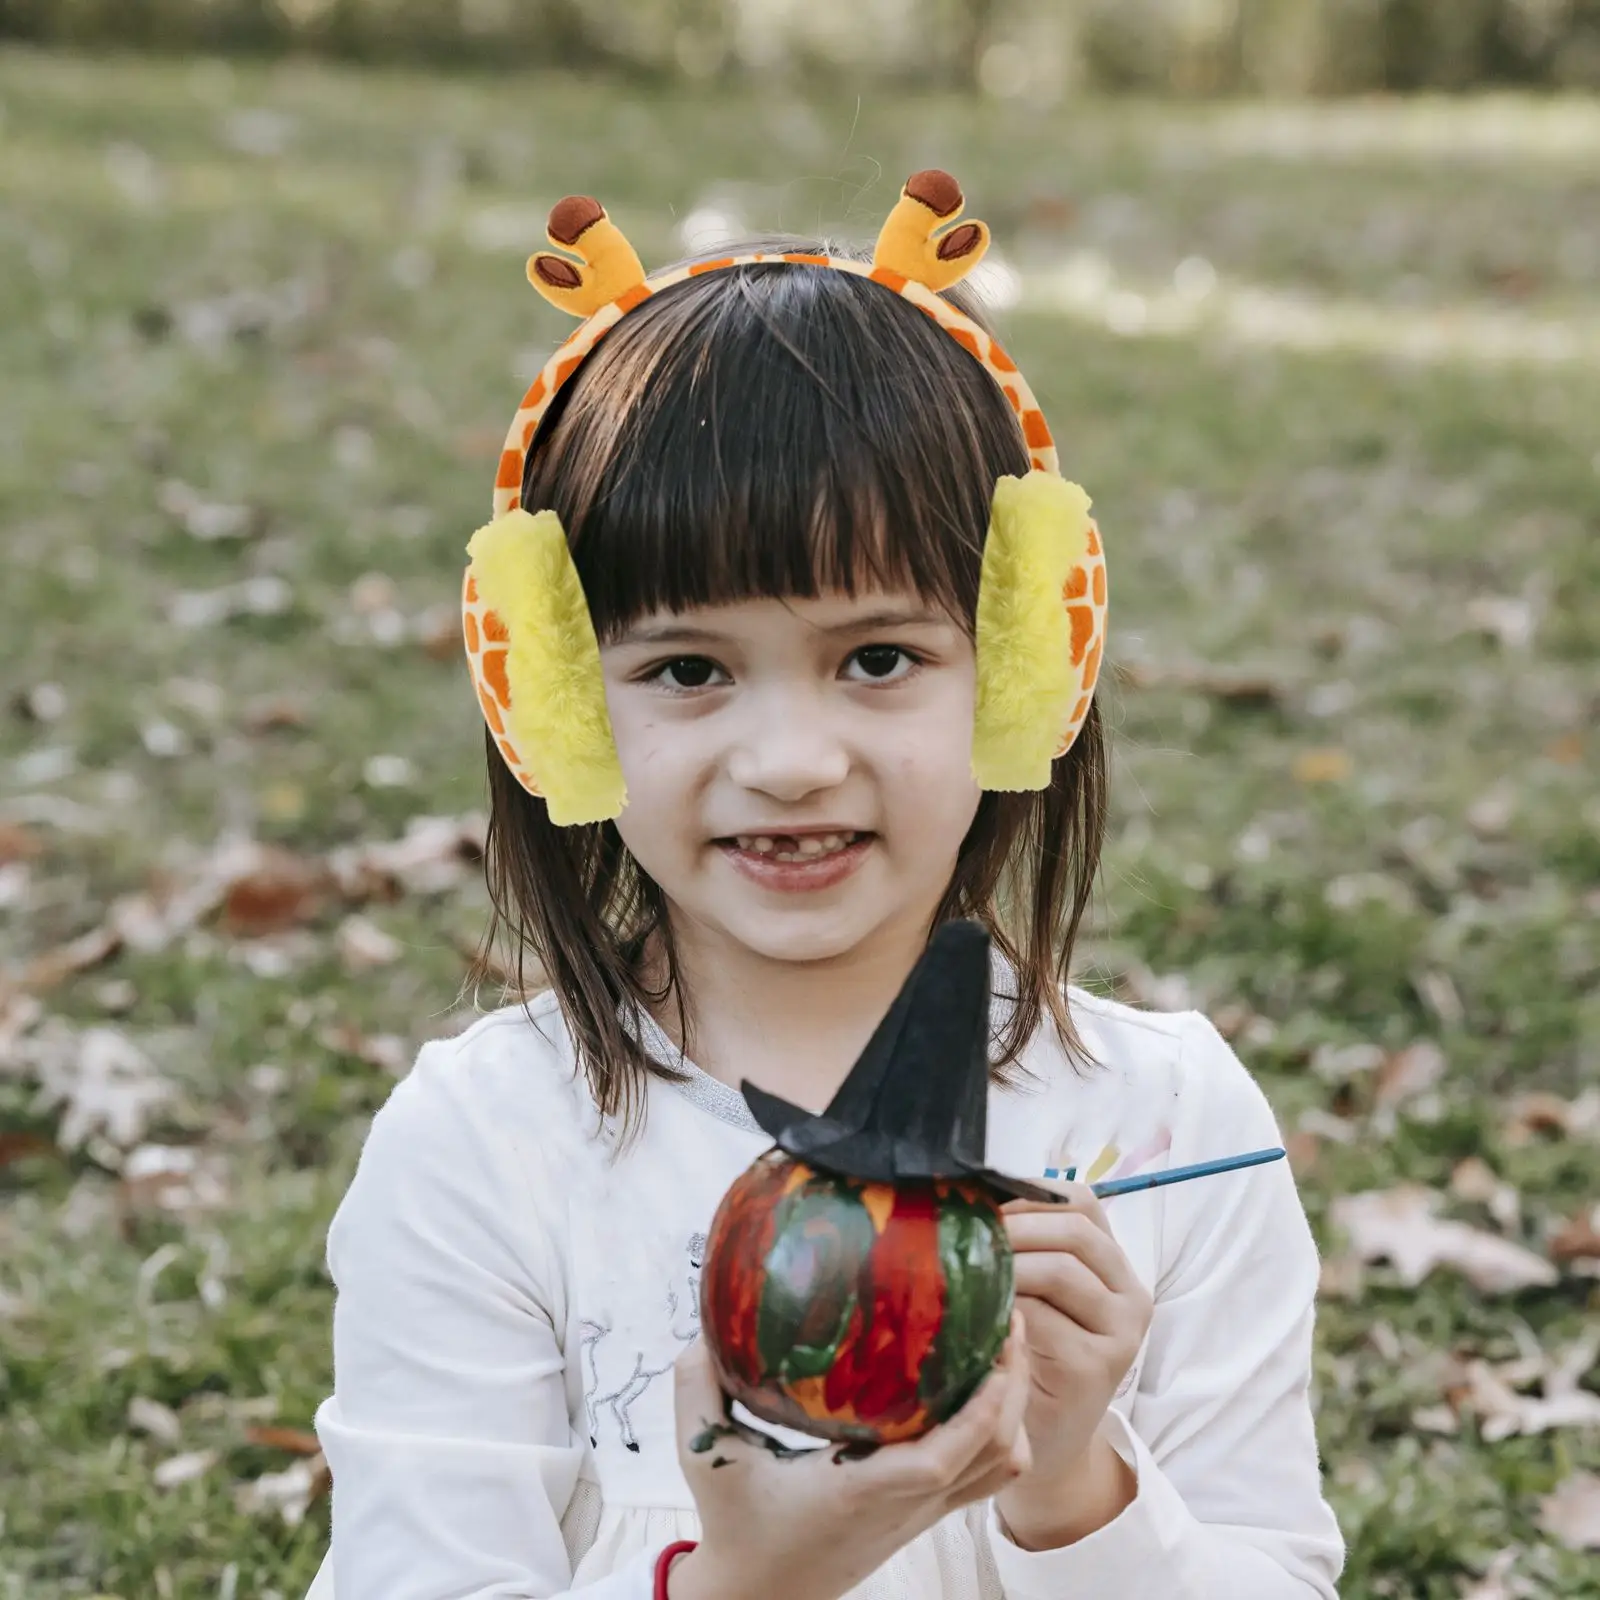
(915, 1105)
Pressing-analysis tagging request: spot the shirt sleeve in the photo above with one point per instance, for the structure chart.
(447, 1433)
(1220, 1435)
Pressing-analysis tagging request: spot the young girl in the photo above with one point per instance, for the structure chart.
(779, 680)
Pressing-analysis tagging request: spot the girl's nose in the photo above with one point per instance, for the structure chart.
(789, 750)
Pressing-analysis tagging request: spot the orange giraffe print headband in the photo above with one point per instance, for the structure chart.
(530, 641)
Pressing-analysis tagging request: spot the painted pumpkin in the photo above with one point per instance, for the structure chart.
(851, 1310)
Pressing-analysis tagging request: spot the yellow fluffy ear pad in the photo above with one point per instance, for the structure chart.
(1032, 669)
(535, 662)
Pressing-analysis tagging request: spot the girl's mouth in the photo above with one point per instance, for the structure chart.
(789, 861)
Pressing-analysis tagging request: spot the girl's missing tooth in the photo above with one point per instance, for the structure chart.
(786, 634)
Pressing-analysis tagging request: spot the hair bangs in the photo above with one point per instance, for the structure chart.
(794, 432)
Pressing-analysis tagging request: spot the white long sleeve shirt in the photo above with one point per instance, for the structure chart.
(511, 1303)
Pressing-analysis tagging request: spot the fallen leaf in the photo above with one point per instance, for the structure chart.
(1497, 1582)
(1505, 1414)
(1579, 1236)
(1399, 1225)
(264, 596)
(18, 843)
(1540, 1112)
(438, 631)
(19, 1146)
(105, 1083)
(278, 891)
(432, 857)
(295, 1441)
(1342, 1278)
(1440, 1419)
(1572, 1513)
(265, 716)
(1506, 618)
(43, 702)
(183, 1469)
(1249, 689)
(290, 1493)
(1305, 1149)
(387, 1051)
(1476, 1182)
(66, 960)
(206, 520)
(362, 945)
(1330, 765)
(150, 1416)
(1409, 1073)
(176, 1179)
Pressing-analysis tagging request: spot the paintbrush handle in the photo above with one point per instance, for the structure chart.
(1201, 1169)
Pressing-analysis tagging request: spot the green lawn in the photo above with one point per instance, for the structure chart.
(1340, 414)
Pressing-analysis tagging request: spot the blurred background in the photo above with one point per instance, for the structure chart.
(1310, 290)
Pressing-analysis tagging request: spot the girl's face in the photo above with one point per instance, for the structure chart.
(799, 771)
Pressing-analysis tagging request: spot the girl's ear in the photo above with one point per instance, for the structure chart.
(535, 662)
(1041, 629)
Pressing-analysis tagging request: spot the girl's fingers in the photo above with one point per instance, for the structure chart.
(1071, 1233)
(1066, 1284)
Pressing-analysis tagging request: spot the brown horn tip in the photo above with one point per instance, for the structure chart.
(570, 217)
(960, 242)
(937, 190)
(557, 273)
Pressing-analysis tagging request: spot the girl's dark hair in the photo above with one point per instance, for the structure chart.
(775, 431)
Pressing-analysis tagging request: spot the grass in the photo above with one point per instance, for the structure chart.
(1392, 837)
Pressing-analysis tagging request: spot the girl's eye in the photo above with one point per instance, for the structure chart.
(884, 662)
(687, 672)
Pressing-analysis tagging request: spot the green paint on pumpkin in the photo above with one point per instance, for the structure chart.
(822, 1234)
(979, 1281)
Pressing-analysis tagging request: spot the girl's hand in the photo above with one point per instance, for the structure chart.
(812, 1524)
(1087, 1315)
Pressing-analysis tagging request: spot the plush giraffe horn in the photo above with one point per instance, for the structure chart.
(909, 244)
(610, 267)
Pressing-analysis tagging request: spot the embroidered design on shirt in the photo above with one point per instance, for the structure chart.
(620, 1400)
(688, 1334)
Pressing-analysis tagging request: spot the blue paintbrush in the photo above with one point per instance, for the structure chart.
(1201, 1169)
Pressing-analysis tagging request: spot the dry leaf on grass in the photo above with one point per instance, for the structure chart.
(432, 857)
(1330, 765)
(1498, 1581)
(387, 1051)
(289, 1493)
(1490, 1392)
(362, 945)
(1541, 1112)
(1475, 1181)
(278, 890)
(104, 1082)
(76, 955)
(1572, 1513)
(1578, 1238)
(1410, 1072)
(294, 1441)
(150, 1416)
(176, 1179)
(183, 1469)
(1240, 688)
(18, 1015)
(18, 843)
(18, 1146)
(1399, 1225)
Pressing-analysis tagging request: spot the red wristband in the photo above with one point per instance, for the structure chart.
(664, 1564)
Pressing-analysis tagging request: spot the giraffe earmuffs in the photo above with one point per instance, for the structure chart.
(531, 643)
